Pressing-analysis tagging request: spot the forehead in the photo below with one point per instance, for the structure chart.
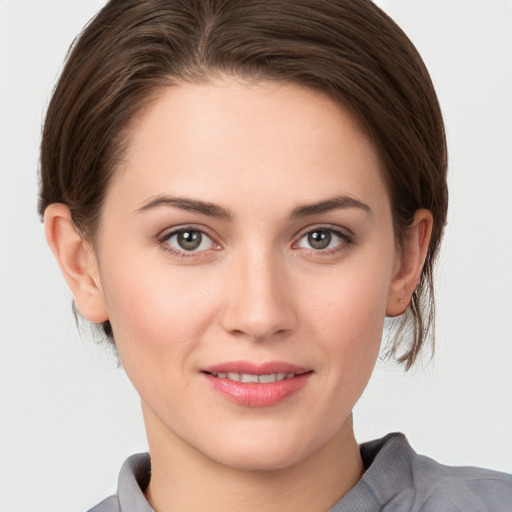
(283, 141)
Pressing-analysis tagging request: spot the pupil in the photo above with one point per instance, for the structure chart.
(319, 239)
(189, 240)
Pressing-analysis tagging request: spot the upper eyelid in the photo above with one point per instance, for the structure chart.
(170, 231)
(343, 231)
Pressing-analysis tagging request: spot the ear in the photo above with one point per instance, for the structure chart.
(77, 261)
(410, 263)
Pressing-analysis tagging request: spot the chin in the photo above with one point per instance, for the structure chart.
(260, 460)
(263, 454)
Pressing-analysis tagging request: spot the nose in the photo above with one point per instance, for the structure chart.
(259, 297)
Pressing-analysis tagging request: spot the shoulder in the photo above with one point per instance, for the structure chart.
(398, 478)
(461, 488)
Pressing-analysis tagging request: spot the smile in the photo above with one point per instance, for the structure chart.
(257, 385)
(252, 378)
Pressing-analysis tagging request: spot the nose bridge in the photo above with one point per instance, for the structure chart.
(259, 304)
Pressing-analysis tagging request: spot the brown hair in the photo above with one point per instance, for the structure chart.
(349, 49)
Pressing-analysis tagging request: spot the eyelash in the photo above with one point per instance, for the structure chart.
(164, 239)
(345, 242)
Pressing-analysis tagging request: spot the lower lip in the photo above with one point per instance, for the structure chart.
(256, 394)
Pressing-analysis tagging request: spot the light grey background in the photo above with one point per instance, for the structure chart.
(68, 416)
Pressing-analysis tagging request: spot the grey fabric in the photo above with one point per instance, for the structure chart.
(399, 480)
(396, 480)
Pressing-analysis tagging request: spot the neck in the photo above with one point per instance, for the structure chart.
(182, 479)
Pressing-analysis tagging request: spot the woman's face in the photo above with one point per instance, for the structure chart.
(247, 236)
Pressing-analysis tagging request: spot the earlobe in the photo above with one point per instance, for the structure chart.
(77, 262)
(412, 258)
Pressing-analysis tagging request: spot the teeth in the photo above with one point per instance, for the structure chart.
(250, 378)
(247, 377)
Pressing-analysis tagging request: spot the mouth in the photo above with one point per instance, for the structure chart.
(248, 378)
(254, 385)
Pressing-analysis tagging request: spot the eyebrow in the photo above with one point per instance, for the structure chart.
(189, 205)
(333, 203)
(213, 210)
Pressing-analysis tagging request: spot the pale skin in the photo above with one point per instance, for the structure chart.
(256, 171)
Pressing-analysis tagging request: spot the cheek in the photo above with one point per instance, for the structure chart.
(354, 327)
(157, 313)
(347, 312)
(349, 303)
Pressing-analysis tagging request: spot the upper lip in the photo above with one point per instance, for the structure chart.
(255, 368)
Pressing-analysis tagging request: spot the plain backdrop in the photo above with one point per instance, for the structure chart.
(68, 415)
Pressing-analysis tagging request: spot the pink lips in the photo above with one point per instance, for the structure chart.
(273, 390)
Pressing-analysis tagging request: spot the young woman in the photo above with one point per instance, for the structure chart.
(240, 193)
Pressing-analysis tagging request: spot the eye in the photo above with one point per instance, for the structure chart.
(322, 239)
(188, 240)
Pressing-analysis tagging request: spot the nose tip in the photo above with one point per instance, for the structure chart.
(260, 305)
